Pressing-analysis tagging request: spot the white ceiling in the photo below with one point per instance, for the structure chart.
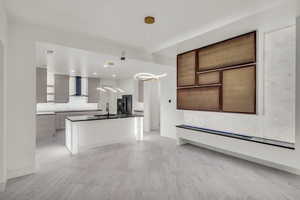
(64, 60)
(122, 21)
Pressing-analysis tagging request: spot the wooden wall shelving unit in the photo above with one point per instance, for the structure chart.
(220, 77)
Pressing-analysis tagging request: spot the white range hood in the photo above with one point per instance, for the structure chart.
(78, 86)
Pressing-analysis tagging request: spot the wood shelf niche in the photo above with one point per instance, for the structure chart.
(220, 77)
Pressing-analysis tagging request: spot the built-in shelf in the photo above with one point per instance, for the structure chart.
(276, 143)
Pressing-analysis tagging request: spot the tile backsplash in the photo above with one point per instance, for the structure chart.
(75, 103)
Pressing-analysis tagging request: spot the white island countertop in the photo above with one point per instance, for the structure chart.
(86, 132)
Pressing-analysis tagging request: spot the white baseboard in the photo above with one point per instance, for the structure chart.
(245, 157)
(20, 172)
(2, 187)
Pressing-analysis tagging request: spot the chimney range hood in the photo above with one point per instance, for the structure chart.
(78, 86)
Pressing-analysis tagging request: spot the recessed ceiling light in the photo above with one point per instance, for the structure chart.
(114, 76)
(95, 73)
(109, 64)
(72, 70)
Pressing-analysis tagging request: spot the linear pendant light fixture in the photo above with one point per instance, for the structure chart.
(110, 89)
(101, 89)
(148, 76)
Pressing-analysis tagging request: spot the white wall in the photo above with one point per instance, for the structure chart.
(169, 116)
(152, 105)
(147, 106)
(3, 41)
(276, 67)
(155, 105)
(20, 85)
(275, 77)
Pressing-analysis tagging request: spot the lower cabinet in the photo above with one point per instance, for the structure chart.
(45, 126)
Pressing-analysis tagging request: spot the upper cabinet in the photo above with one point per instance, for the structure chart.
(61, 88)
(186, 66)
(41, 85)
(93, 93)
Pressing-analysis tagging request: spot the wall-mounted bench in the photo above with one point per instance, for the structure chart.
(183, 138)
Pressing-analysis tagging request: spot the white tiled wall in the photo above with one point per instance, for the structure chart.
(76, 103)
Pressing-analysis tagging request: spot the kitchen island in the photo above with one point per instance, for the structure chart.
(86, 132)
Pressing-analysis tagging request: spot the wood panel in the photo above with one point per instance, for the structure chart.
(198, 99)
(239, 90)
(186, 67)
(209, 78)
(236, 51)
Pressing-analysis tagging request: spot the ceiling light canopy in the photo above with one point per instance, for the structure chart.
(148, 76)
(149, 20)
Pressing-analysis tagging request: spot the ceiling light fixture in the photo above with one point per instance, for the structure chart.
(101, 89)
(94, 73)
(72, 70)
(148, 76)
(123, 56)
(120, 90)
(114, 76)
(111, 89)
(109, 64)
(149, 20)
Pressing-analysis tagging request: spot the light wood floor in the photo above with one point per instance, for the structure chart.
(155, 169)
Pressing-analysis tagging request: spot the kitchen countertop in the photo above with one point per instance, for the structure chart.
(99, 117)
(62, 111)
(45, 113)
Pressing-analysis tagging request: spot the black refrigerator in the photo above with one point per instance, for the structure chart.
(126, 104)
